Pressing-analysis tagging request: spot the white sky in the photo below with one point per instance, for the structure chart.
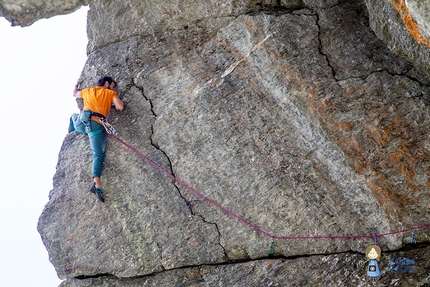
(39, 66)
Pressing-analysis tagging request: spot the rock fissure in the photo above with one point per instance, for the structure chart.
(162, 151)
(251, 263)
(320, 47)
(85, 277)
(217, 229)
(187, 203)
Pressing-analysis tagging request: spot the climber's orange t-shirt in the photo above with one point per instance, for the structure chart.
(98, 99)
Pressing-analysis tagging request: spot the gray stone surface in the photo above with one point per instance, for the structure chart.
(26, 12)
(420, 12)
(155, 18)
(297, 119)
(347, 269)
(403, 26)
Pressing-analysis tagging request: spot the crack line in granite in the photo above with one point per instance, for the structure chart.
(173, 174)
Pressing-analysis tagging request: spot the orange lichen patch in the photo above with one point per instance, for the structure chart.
(383, 150)
(410, 23)
(377, 134)
(391, 201)
(392, 159)
(77, 271)
(344, 126)
(400, 154)
(350, 90)
(382, 134)
(407, 169)
(193, 273)
(354, 150)
(406, 162)
(72, 238)
(350, 144)
(380, 137)
(328, 102)
(353, 146)
(293, 78)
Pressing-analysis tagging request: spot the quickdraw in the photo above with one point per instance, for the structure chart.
(108, 127)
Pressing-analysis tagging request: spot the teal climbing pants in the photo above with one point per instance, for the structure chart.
(97, 138)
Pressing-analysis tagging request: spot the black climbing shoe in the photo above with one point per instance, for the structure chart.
(98, 192)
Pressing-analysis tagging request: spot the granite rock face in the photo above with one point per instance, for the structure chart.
(26, 12)
(277, 118)
(333, 270)
(404, 25)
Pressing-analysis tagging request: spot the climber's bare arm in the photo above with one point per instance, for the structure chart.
(119, 105)
(76, 93)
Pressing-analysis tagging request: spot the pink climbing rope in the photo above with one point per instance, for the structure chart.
(250, 224)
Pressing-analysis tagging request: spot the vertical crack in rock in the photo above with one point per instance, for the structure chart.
(188, 204)
(320, 45)
(158, 147)
(217, 229)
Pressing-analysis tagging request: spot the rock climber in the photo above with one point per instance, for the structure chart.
(97, 103)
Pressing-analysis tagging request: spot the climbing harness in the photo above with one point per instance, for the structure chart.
(86, 115)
